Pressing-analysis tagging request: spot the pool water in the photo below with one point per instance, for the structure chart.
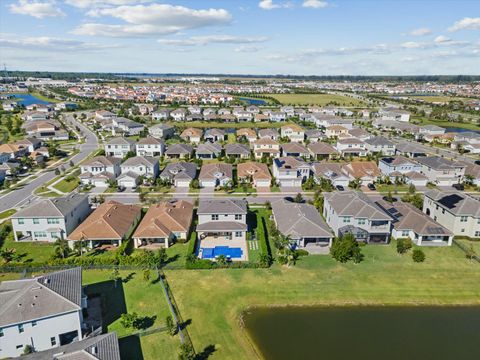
(229, 252)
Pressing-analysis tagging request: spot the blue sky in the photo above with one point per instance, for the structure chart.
(301, 37)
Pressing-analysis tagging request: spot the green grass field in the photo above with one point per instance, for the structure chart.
(34, 251)
(215, 299)
(445, 124)
(439, 99)
(7, 213)
(316, 99)
(233, 125)
(67, 186)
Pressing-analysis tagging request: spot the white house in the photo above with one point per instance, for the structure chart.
(99, 170)
(43, 312)
(290, 171)
(50, 219)
(150, 146)
(119, 147)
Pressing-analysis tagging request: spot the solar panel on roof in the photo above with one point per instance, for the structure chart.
(450, 201)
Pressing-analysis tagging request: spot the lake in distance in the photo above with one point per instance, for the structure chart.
(366, 333)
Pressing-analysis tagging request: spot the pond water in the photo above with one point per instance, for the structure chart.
(250, 101)
(366, 333)
(460, 130)
(27, 99)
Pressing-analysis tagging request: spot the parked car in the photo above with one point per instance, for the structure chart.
(371, 187)
(340, 188)
(459, 187)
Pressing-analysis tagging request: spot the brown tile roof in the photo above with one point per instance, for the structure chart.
(247, 132)
(111, 220)
(321, 148)
(266, 141)
(254, 169)
(164, 218)
(188, 132)
(293, 127)
(363, 168)
(208, 171)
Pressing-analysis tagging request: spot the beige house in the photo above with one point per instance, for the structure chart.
(164, 223)
(192, 135)
(266, 147)
(254, 172)
(294, 132)
(336, 131)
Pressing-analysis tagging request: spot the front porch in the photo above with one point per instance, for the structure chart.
(151, 243)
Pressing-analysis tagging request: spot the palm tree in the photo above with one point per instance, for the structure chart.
(61, 248)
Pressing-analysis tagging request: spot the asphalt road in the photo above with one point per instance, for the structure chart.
(24, 194)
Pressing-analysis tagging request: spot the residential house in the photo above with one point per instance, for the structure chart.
(321, 151)
(224, 111)
(208, 150)
(248, 134)
(179, 174)
(303, 224)
(359, 134)
(150, 146)
(290, 171)
(110, 224)
(294, 132)
(380, 145)
(50, 219)
(255, 173)
(43, 312)
(351, 147)
(410, 150)
(13, 150)
(124, 126)
(410, 222)
(403, 168)
(104, 115)
(161, 131)
(119, 147)
(31, 144)
(314, 135)
(99, 170)
(472, 173)
(215, 135)
(222, 228)
(45, 130)
(238, 151)
(195, 110)
(253, 109)
(242, 115)
(260, 117)
(192, 135)
(137, 166)
(288, 110)
(266, 147)
(161, 114)
(332, 172)
(164, 223)
(278, 116)
(294, 149)
(430, 132)
(179, 114)
(179, 151)
(366, 171)
(394, 114)
(355, 213)
(33, 116)
(269, 133)
(457, 211)
(216, 174)
(441, 171)
(335, 131)
(101, 347)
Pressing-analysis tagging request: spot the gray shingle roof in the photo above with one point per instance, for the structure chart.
(222, 226)
(237, 149)
(379, 141)
(102, 347)
(356, 204)
(437, 162)
(120, 141)
(209, 148)
(180, 170)
(48, 295)
(140, 160)
(52, 207)
(179, 149)
(222, 206)
(456, 202)
(299, 220)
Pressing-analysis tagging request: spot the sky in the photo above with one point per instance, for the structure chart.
(295, 37)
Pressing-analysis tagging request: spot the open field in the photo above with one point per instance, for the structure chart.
(438, 99)
(33, 251)
(220, 124)
(445, 124)
(316, 99)
(215, 299)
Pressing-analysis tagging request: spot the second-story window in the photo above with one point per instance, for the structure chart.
(36, 221)
(215, 217)
(20, 328)
(238, 216)
(21, 221)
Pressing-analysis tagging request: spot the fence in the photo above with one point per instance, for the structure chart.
(466, 250)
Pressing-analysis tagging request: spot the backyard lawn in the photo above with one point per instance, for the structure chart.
(215, 299)
(67, 185)
(316, 99)
(232, 125)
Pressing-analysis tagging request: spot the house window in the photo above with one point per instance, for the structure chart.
(21, 221)
(463, 218)
(463, 230)
(238, 216)
(477, 233)
(1, 332)
(215, 217)
(53, 221)
(40, 234)
(362, 221)
(20, 328)
(346, 219)
(36, 221)
(34, 323)
(404, 232)
(19, 347)
(53, 341)
(238, 234)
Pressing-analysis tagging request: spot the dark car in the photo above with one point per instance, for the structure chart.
(340, 187)
(371, 187)
(459, 187)
(477, 162)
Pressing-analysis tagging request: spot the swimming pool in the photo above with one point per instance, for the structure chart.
(227, 251)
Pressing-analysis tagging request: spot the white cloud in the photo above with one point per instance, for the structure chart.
(316, 4)
(270, 5)
(154, 19)
(442, 40)
(49, 43)
(466, 24)
(414, 45)
(84, 4)
(208, 39)
(247, 49)
(421, 32)
(37, 9)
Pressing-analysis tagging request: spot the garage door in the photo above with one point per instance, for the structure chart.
(127, 183)
(208, 183)
(99, 183)
(288, 183)
(263, 183)
(182, 183)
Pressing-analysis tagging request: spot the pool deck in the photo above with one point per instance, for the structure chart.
(211, 242)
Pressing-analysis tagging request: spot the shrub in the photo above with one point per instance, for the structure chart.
(418, 256)
(403, 245)
(346, 248)
(301, 252)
